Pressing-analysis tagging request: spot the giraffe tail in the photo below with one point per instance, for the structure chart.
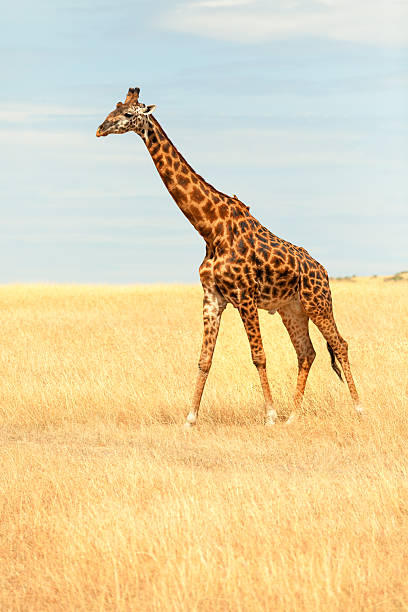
(334, 364)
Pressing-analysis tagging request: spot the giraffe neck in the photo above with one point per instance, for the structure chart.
(201, 203)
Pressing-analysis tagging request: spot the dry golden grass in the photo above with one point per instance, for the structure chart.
(108, 504)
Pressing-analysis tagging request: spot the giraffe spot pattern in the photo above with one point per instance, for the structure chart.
(183, 180)
(196, 195)
(245, 263)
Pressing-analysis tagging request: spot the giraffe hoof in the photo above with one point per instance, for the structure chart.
(191, 420)
(187, 426)
(271, 417)
(359, 410)
(291, 419)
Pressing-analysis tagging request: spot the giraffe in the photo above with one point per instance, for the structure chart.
(245, 265)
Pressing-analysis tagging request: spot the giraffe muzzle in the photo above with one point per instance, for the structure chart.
(102, 130)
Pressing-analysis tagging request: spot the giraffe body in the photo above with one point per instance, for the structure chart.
(245, 264)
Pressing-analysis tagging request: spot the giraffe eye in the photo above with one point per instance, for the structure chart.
(128, 115)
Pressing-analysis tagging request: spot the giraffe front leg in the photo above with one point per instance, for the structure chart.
(249, 315)
(213, 307)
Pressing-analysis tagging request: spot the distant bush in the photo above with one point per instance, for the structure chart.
(399, 276)
(344, 278)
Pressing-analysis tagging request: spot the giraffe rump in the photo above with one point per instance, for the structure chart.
(334, 364)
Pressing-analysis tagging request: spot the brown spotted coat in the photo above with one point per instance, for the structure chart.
(245, 265)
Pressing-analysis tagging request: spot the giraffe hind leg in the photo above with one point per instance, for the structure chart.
(327, 326)
(315, 296)
(296, 322)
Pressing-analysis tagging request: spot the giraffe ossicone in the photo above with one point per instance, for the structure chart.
(245, 265)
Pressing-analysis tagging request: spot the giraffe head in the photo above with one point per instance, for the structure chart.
(130, 116)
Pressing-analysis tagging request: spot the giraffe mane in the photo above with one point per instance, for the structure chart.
(220, 193)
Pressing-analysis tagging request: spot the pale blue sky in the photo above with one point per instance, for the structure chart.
(299, 107)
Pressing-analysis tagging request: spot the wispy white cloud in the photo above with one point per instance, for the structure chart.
(73, 145)
(366, 21)
(85, 238)
(219, 3)
(26, 112)
(92, 224)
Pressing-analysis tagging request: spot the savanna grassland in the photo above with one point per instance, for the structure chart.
(108, 504)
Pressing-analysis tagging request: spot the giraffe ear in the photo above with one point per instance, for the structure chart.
(149, 109)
